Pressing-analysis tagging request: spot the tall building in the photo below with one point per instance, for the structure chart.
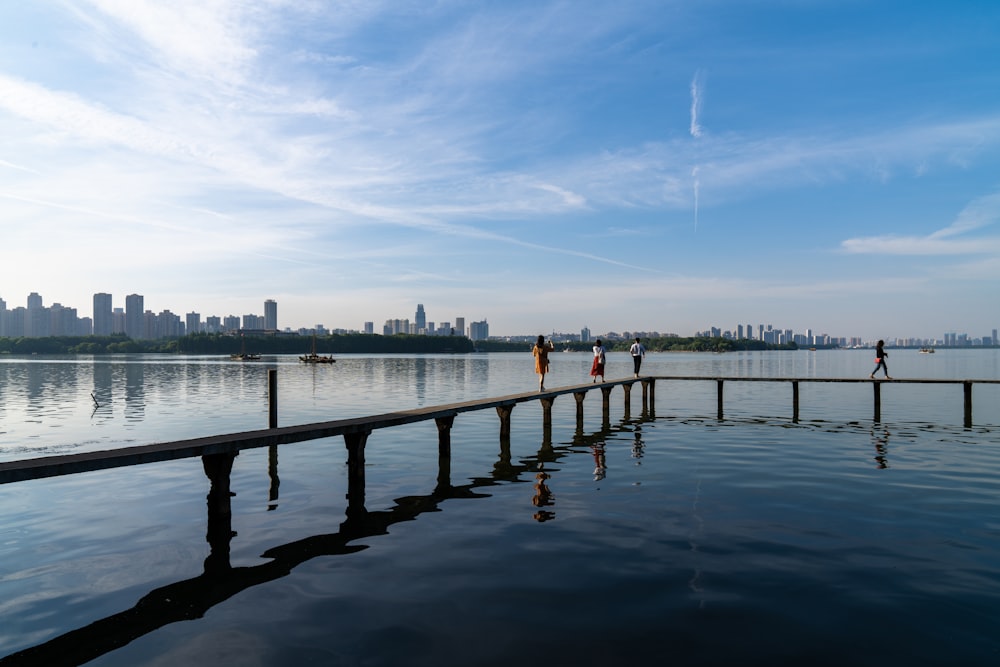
(271, 315)
(3, 319)
(192, 323)
(369, 327)
(134, 316)
(585, 334)
(36, 320)
(479, 330)
(460, 326)
(118, 321)
(421, 318)
(103, 323)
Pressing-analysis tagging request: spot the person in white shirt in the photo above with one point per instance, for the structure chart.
(638, 352)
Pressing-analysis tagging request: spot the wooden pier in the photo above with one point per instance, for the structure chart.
(356, 430)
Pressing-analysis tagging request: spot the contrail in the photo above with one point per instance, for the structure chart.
(696, 82)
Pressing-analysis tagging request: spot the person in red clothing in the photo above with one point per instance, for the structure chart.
(597, 368)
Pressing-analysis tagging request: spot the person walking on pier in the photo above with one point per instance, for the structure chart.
(541, 353)
(597, 368)
(880, 355)
(638, 352)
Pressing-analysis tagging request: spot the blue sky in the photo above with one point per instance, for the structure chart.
(667, 166)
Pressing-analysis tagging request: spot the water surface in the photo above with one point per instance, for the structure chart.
(662, 534)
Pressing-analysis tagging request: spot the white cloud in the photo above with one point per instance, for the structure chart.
(980, 213)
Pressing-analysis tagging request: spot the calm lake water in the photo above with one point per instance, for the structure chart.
(661, 535)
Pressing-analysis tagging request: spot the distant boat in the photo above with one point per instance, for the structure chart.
(313, 358)
(243, 354)
(927, 350)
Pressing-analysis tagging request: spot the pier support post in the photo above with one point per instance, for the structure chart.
(355, 443)
(646, 386)
(272, 398)
(503, 411)
(628, 395)
(444, 425)
(272, 473)
(547, 411)
(579, 396)
(967, 390)
(605, 404)
(220, 513)
(878, 400)
(795, 401)
(719, 392)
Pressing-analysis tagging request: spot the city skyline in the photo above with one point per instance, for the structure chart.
(137, 321)
(547, 165)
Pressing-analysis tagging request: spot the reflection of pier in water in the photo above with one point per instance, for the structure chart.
(192, 598)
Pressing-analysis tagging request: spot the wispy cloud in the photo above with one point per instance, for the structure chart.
(980, 213)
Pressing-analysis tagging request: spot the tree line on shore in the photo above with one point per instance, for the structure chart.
(224, 344)
(671, 344)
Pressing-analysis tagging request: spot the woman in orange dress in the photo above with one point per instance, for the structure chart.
(541, 353)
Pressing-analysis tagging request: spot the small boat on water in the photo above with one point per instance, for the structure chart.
(313, 358)
(243, 355)
(927, 350)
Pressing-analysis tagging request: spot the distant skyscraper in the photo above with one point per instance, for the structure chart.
(271, 314)
(36, 320)
(460, 326)
(134, 316)
(479, 330)
(585, 334)
(118, 321)
(103, 323)
(3, 320)
(192, 323)
(369, 327)
(421, 317)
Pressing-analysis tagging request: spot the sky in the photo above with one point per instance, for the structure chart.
(664, 166)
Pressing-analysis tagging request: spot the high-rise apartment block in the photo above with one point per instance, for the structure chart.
(479, 330)
(271, 315)
(135, 317)
(103, 322)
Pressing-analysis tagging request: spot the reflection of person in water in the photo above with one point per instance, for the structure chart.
(638, 446)
(600, 463)
(543, 496)
(881, 441)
